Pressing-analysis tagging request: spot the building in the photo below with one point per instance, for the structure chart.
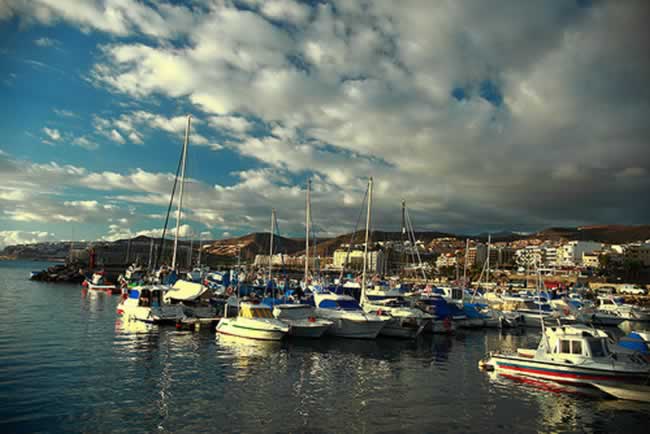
(570, 253)
(591, 260)
(376, 260)
(446, 260)
(638, 253)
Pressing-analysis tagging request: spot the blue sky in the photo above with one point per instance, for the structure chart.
(514, 116)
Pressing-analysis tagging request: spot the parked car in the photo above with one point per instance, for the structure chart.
(632, 289)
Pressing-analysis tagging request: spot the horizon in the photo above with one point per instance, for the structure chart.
(514, 117)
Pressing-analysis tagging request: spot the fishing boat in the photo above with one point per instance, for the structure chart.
(572, 354)
(145, 303)
(630, 392)
(254, 321)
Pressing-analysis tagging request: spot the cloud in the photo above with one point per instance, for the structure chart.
(52, 133)
(84, 142)
(46, 42)
(117, 137)
(10, 238)
(135, 138)
(65, 113)
(508, 115)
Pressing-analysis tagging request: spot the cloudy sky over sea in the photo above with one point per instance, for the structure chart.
(482, 115)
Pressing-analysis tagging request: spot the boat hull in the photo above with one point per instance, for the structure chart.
(630, 392)
(233, 327)
(300, 331)
(346, 328)
(562, 373)
(400, 328)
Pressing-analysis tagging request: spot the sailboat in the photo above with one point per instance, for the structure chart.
(402, 320)
(349, 319)
(301, 318)
(146, 302)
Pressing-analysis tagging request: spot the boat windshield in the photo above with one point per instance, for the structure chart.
(597, 347)
(257, 313)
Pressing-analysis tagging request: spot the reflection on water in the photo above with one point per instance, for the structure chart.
(67, 363)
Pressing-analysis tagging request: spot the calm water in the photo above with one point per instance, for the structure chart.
(67, 364)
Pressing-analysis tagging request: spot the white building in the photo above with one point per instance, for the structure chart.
(376, 262)
(446, 260)
(570, 253)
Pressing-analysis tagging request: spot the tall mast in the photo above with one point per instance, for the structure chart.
(365, 247)
(150, 254)
(487, 268)
(465, 262)
(189, 255)
(307, 222)
(402, 235)
(271, 242)
(180, 198)
(200, 247)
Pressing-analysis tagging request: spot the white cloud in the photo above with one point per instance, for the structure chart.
(10, 238)
(85, 143)
(52, 133)
(288, 10)
(117, 137)
(46, 42)
(234, 124)
(135, 138)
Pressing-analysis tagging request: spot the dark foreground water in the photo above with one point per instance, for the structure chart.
(68, 364)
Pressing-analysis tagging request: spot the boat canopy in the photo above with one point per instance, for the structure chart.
(185, 291)
(343, 304)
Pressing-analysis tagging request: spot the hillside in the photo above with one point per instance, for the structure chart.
(258, 243)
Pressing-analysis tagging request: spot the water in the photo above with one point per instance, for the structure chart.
(68, 364)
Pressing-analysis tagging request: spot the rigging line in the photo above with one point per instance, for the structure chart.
(417, 252)
(347, 256)
(169, 208)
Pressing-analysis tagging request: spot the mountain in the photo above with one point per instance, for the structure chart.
(610, 234)
(258, 242)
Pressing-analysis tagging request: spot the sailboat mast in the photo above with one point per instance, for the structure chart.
(465, 262)
(150, 254)
(271, 243)
(180, 198)
(307, 222)
(365, 247)
(200, 247)
(487, 268)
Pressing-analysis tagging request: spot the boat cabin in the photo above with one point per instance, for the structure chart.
(145, 297)
(573, 343)
(248, 310)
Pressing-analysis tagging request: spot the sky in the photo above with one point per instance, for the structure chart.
(483, 116)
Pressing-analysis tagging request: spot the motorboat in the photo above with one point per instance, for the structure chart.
(617, 306)
(439, 308)
(348, 318)
(254, 321)
(145, 303)
(301, 319)
(402, 320)
(573, 354)
(98, 282)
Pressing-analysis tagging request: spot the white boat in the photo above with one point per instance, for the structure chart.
(573, 354)
(402, 320)
(145, 303)
(349, 320)
(98, 282)
(184, 291)
(630, 392)
(617, 306)
(255, 321)
(301, 319)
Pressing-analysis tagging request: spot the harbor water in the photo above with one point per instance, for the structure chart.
(68, 364)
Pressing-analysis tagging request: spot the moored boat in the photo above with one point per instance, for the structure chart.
(349, 320)
(145, 303)
(254, 321)
(574, 354)
(301, 319)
